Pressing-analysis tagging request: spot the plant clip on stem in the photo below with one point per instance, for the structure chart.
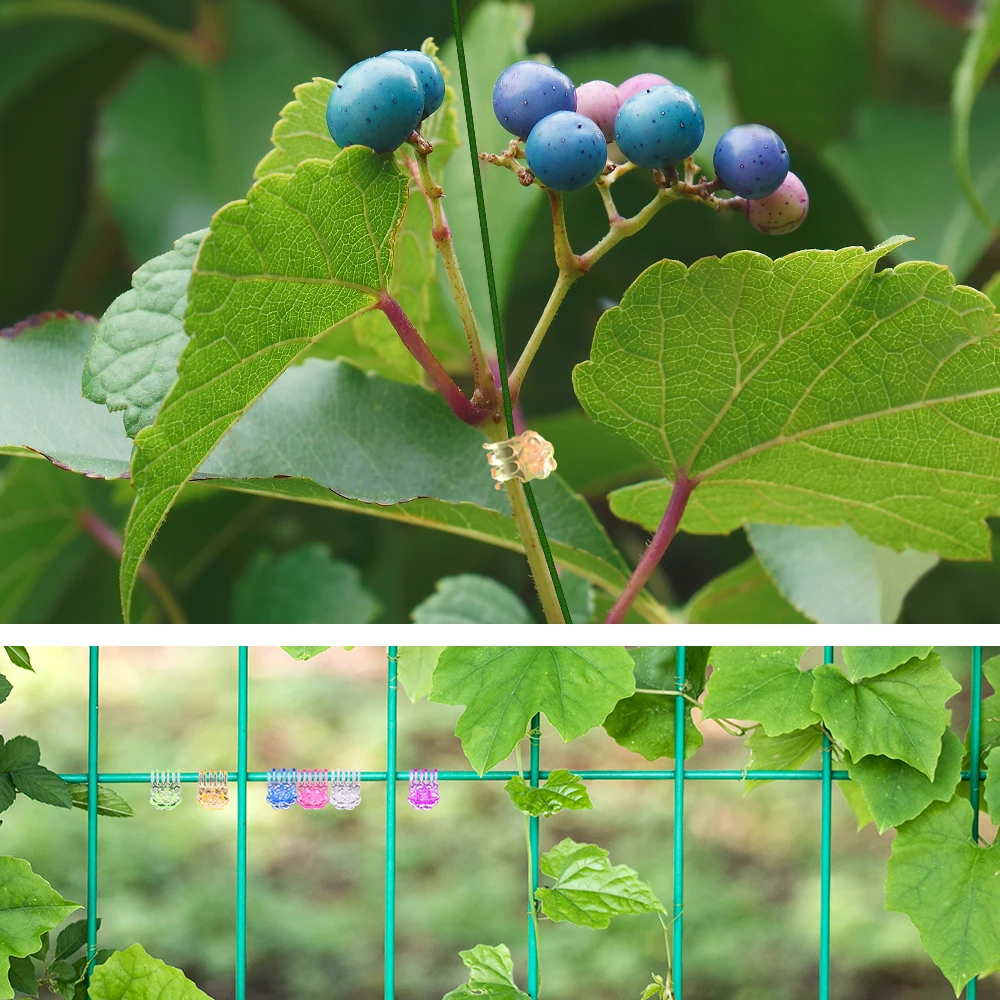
(513, 487)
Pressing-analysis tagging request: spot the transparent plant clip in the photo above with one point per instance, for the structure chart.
(314, 788)
(424, 793)
(525, 456)
(213, 789)
(165, 789)
(345, 789)
(282, 788)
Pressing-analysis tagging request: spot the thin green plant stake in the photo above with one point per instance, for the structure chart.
(495, 306)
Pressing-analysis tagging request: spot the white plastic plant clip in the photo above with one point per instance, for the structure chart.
(345, 789)
(525, 456)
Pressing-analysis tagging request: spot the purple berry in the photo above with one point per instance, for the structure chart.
(428, 75)
(636, 84)
(566, 151)
(528, 91)
(782, 211)
(599, 101)
(660, 126)
(751, 160)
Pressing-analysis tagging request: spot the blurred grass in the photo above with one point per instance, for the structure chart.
(315, 880)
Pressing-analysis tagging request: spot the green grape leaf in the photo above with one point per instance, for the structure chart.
(71, 939)
(646, 723)
(109, 802)
(19, 751)
(891, 140)
(306, 585)
(834, 575)
(787, 752)
(7, 792)
(990, 708)
(133, 361)
(502, 687)
(870, 661)
(982, 50)
(18, 655)
(561, 790)
(134, 975)
(415, 666)
(896, 792)
(211, 125)
(742, 594)
(304, 652)
(762, 684)
(23, 976)
(948, 887)
(900, 714)
(827, 394)
(301, 132)
(491, 975)
(855, 799)
(340, 217)
(42, 785)
(471, 599)
(28, 907)
(588, 889)
(5, 688)
(991, 787)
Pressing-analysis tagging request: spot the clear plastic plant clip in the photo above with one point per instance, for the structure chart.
(165, 789)
(525, 456)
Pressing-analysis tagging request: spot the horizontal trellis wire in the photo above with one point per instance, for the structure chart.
(679, 774)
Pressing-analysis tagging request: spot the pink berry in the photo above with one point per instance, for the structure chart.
(781, 212)
(599, 101)
(634, 84)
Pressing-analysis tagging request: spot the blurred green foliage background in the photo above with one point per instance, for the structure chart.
(315, 879)
(112, 146)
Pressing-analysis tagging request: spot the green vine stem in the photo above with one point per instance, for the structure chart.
(191, 48)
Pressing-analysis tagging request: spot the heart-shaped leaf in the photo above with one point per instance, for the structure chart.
(491, 975)
(132, 974)
(561, 790)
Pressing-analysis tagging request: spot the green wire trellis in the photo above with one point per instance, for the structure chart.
(679, 774)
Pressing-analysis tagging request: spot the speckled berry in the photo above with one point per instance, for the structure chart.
(782, 211)
(528, 91)
(599, 101)
(660, 126)
(428, 75)
(751, 160)
(566, 151)
(636, 84)
(376, 103)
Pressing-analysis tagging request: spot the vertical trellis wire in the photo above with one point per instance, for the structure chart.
(534, 740)
(679, 774)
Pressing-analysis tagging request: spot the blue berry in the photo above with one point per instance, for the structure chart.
(659, 126)
(528, 91)
(428, 74)
(566, 151)
(376, 103)
(751, 160)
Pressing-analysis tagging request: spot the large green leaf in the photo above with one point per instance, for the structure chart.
(895, 792)
(134, 975)
(133, 361)
(870, 661)
(19, 656)
(42, 785)
(301, 132)
(255, 303)
(306, 585)
(415, 667)
(109, 802)
(471, 599)
(742, 594)
(900, 714)
(978, 58)
(786, 752)
(211, 125)
(588, 889)
(646, 723)
(560, 790)
(948, 887)
(491, 975)
(890, 141)
(807, 390)
(760, 683)
(502, 687)
(29, 906)
(835, 575)
(991, 787)
(990, 708)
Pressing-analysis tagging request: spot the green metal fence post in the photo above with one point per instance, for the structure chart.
(824, 892)
(241, 829)
(533, 742)
(679, 720)
(390, 829)
(975, 752)
(92, 806)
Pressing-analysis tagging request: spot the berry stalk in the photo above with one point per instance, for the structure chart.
(658, 545)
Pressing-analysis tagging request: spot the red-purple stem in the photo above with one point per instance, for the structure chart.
(462, 407)
(658, 544)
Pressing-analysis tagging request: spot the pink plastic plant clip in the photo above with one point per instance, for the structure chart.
(525, 456)
(314, 788)
(424, 793)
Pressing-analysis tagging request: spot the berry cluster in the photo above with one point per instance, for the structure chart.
(379, 102)
(654, 124)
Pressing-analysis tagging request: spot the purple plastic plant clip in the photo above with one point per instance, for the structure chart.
(424, 793)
